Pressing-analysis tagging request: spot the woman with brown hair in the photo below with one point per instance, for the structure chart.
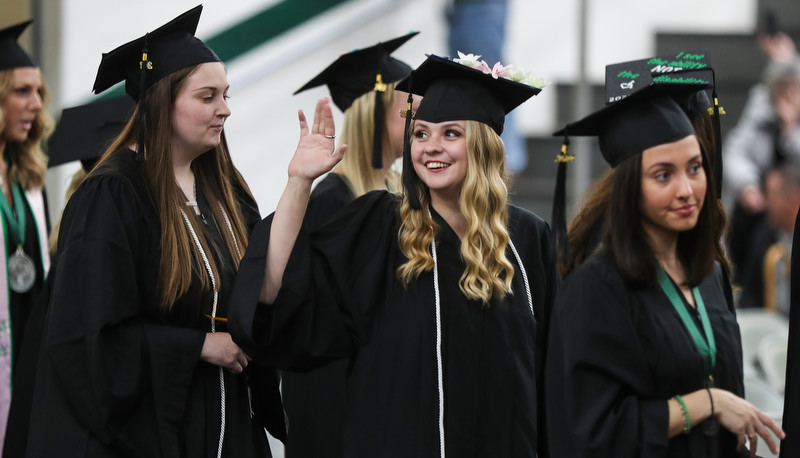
(438, 296)
(137, 360)
(24, 126)
(644, 356)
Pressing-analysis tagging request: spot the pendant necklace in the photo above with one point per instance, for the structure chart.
(21, 268)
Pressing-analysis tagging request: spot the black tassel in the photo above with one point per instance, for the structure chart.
(378, 122)
(410, 178)
(144, 66)
(559, 219)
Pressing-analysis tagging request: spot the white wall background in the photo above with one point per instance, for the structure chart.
(262, 130)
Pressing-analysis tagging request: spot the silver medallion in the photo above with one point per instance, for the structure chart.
(21, 272)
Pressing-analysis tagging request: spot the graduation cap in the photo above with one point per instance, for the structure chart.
(359, 72)
(454, 91)
(11, 53)
(648, 102)
(84, 132)
(147, 59)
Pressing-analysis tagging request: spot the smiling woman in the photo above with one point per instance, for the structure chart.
(439, 296)
(648, 321)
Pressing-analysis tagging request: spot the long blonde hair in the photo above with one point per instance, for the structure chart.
(357, 133)
(484, 204)
(27, 158)
(179, 256)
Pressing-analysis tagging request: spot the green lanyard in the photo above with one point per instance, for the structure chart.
(707, 347)
(16, 223)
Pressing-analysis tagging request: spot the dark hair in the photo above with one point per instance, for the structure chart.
(587, 230)
(626, 241)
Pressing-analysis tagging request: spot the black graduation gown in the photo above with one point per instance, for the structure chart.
(616, 354)
(25, 335)
(314, 401)
(118, 376)
(340, 296)
(790, 447)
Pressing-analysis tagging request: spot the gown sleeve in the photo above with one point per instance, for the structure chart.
(333, 285)
(595, 369)
(125, 376)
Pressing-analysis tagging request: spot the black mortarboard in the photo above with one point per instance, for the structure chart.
(11, 53)
(145, 60)
(644, 119)
(648, 102)
(453, 91)
(166, 49)
(359, 72)
(84, 132)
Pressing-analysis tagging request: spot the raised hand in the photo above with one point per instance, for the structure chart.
(316, 151)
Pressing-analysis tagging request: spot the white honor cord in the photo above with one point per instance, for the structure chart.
(524, 276)
(439, 330)
(438, 346)
(213, 316)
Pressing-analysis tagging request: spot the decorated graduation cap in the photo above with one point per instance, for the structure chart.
(649, 102)
(359, 72)
(11, 53)
(84, 132)
(147, 59)
(462, 89)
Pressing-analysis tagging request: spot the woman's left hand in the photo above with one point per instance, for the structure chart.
(316, 152)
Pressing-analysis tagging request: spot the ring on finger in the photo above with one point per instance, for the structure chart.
(330, 136)
(751, 436)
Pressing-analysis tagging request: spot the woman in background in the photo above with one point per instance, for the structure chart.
(24, 126)
(362, 85)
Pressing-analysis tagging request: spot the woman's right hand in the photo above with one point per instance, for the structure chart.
(220, 350)
(316, 152)
(745, 421)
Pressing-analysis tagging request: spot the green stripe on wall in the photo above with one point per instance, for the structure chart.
(266, 25)
(258, 29)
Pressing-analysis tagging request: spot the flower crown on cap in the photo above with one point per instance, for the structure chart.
(499, 71)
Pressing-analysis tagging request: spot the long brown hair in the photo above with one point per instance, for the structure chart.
(27, 158)
(587, 230)
(484, 204)
(179, 255)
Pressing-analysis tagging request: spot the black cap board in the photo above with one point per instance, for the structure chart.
(358, 72)
(354, 74)
(84, 132)
(166, 50)
(11, 53)
(647, 118)
(626, 78)
(454, 91)
(145, 60)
